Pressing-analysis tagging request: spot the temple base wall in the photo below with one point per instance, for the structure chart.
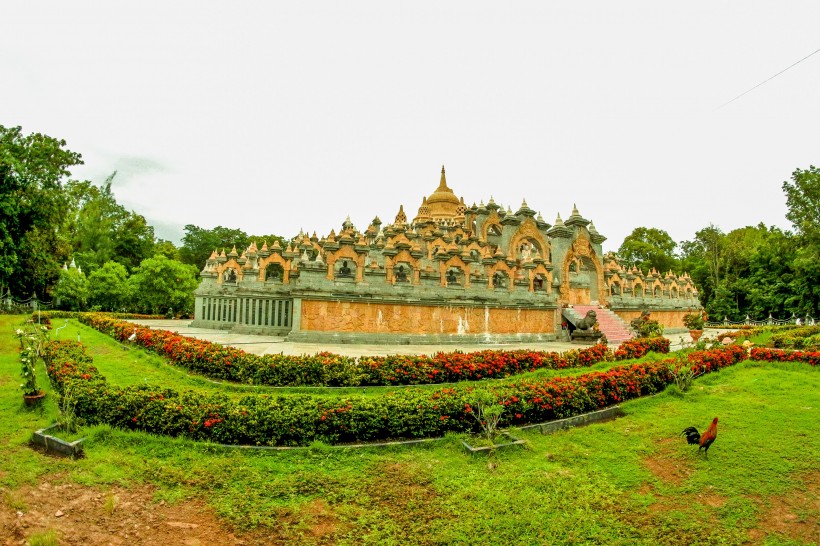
(363, 322)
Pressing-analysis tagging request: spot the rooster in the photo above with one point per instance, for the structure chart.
(703, 440)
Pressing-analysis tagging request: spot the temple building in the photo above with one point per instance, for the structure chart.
(454, 273)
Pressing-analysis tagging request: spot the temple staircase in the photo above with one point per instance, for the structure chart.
(613, 327)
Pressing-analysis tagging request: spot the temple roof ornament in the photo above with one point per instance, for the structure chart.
(594, 236)
(559, 229)
(442, 204)
(525, 210)
(401, 217)
(575, 219)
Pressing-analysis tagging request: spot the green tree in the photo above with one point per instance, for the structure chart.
(198, 243)
(803, 202)
(767, 285)
(167, 249)
(32, 208)
(160, 285)
(103, 230)
(649, 248)
(71, 290)
(108, 287)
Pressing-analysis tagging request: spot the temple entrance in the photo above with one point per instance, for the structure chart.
(581, 283)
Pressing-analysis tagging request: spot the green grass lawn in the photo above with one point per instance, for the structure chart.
(628, 481)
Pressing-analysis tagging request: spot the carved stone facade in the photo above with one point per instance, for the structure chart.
(455, 273)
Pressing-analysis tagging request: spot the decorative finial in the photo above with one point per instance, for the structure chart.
(575, 210)
(401, 217)
(443, 183)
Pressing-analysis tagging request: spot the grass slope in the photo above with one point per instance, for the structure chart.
(629, 481)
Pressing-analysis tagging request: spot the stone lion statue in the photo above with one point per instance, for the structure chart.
(589, 321)
(636, 323)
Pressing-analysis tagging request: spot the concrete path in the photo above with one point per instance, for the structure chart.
(261, 345)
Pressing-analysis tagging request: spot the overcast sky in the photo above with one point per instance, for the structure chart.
(277, 116)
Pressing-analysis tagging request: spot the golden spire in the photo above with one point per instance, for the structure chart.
(442, 185)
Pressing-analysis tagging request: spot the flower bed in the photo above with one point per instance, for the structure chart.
(326, 369)
(301, 419)
(640, 346)
(779, 355)
(714, 359)
(806, 337)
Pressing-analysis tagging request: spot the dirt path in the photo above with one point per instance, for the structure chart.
(80, 515)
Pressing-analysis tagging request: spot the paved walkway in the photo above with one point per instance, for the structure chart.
(261, 345)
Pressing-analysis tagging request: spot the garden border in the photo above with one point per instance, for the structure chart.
(602, 415)
(57, 446)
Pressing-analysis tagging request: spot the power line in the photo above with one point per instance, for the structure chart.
(769, 79)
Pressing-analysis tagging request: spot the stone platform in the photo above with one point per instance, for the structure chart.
(261, 345)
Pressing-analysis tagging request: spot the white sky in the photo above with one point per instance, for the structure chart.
(276, 116)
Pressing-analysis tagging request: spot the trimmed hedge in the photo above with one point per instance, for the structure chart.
(805, 337)
(779, 355)
(640, 346)
(301, 419)
(331, 370)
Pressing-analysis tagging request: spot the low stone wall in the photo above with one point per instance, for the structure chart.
(606, 414)
(443, 321)
(670, 319)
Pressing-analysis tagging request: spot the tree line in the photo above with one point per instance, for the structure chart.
(751, 271)
(48, 219)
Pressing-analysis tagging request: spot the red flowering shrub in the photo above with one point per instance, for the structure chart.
(301, 419)
(779, 355)
(335, 370)
(638, 347)
(715, 359)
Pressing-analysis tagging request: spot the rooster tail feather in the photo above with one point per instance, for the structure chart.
(692, 435)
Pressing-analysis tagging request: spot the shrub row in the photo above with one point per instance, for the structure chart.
(806, 337)
(301, 419)
(640, 346)
(326, 369)
(779, 355)
(45, 317)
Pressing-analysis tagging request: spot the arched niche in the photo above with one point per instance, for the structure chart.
(588, 263)
(455, 263)
(346, 254)
(230, 272)
(410, 265)
(274, 260)
(528, 234)
(501, 268)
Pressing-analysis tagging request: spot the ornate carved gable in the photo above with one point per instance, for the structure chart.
(528, 230)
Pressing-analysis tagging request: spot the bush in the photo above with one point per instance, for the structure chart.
(695, 321)
(639, 347)
(327, 369)
(806, 337)
(779, 355)
(303, 419)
